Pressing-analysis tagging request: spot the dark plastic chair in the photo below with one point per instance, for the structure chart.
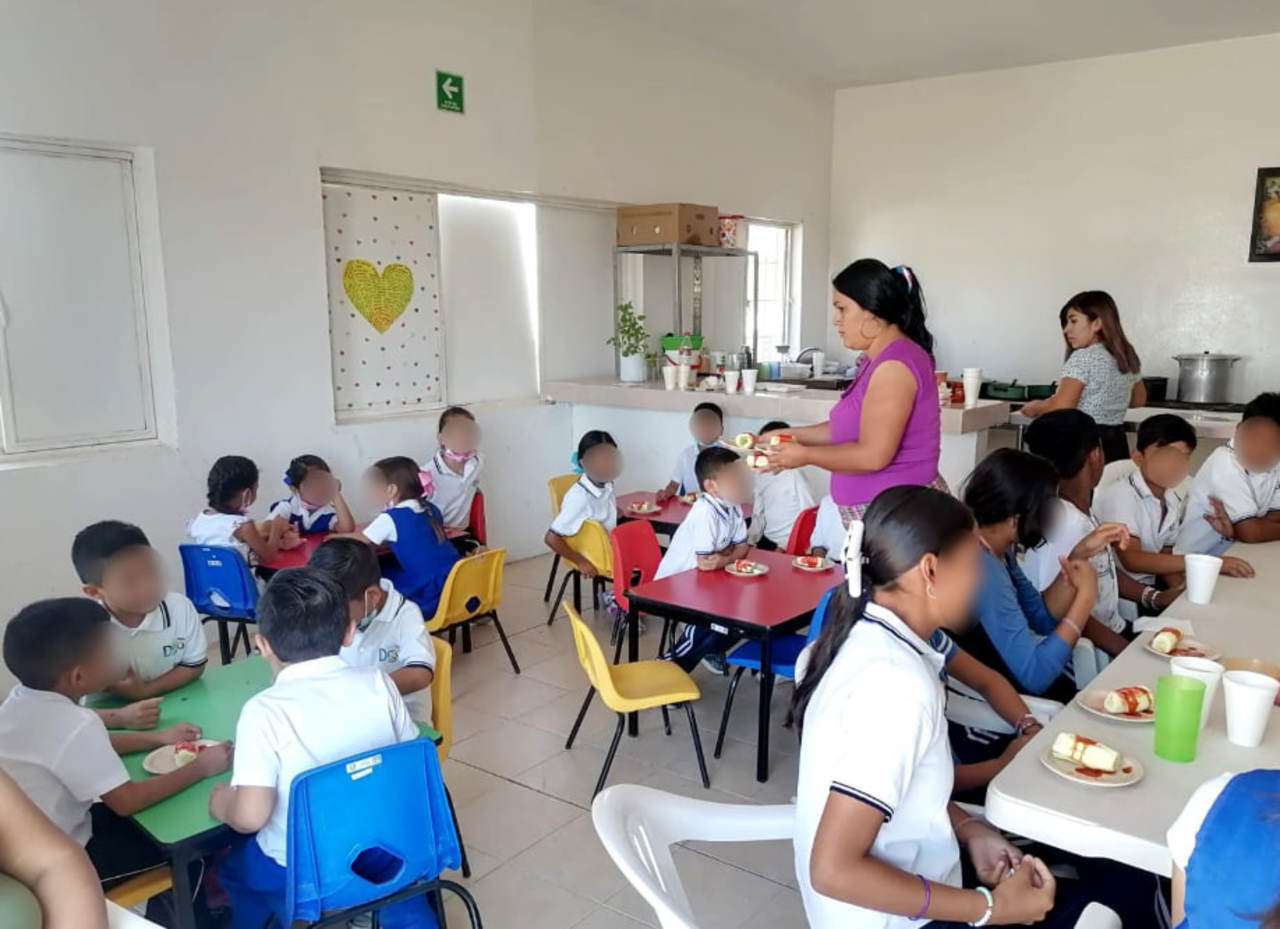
(802, 532)
(222, 587)
(782, 659)
(367, 832)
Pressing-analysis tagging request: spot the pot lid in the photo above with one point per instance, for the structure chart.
(1207, 356)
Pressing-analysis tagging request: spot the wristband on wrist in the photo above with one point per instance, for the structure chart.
(928, 894)
(991, 907)
(1072, 623)
(1026, 722)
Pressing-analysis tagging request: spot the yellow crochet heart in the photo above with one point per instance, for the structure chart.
(379, 298)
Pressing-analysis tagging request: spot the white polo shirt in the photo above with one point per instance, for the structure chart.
(454, 491)
(875, 730)
(316, 712)
(168, 636)
(383, 528)
(779, 498)
(710, 526)
(582, 501)
(307, 519)
(1130, 501)
(395, 637)
(1067, 526)
(685, 473)
(828, 529)
(220, 529)
(1245, 494)
(59, 753)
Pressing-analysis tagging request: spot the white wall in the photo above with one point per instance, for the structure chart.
(1011, 190)
(244, 101)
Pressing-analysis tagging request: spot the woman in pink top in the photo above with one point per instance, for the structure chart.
(885, 430)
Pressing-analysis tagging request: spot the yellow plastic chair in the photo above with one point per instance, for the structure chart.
(442, 722)
(141, 887)
(592, 542)
(473, 591)
(629, 688)
(558, 486)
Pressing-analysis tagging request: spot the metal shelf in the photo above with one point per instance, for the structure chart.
(668, 248)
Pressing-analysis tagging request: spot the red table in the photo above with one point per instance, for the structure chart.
(762, 608)
(298, 557)
(668, 518)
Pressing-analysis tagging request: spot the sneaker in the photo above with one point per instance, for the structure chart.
(716, 664)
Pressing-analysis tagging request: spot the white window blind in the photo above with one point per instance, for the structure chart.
(74, 354)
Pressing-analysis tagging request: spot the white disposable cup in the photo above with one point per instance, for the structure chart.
(683, 376)
(669, 374)
(749, 381)
(1202, 669)
(819, 361)
(731, 381)
(1202, 576)
(972, 379)
(1250, 699)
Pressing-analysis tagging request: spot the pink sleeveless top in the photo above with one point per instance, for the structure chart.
(916, 461)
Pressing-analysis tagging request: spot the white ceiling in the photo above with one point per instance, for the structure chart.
(849, 42)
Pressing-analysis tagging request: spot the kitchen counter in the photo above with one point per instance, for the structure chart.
(1208, 425)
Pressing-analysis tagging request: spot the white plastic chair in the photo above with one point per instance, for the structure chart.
(1097, 916)
(120, 918)
(638, 825)
(966, 707)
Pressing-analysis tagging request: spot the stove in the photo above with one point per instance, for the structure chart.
(1198, 407)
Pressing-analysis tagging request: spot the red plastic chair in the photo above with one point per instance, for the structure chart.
(476, 519)
(636, 557)
(802, 532)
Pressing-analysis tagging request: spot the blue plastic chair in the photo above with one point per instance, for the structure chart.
(782, 659)
(222, 587)
(367, 832)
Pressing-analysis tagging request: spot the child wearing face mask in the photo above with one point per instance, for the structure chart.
(316, 504)
(232, 489)
(455, 472)
(412, 527)
(390, 633)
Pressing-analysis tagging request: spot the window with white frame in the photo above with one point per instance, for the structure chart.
(776, 247)
(75, 357)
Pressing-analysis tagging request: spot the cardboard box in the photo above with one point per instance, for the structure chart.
(660, 223)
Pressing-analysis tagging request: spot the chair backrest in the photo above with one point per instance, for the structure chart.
(473, 588)
(1115, 471)
(218, 581)
(636, 556)
(592, 542)
(638, 825)
(819, 616)
(476, 519)
(365, 827)
(802, 531)
(559, 486)
(442, 696)
(591, 656)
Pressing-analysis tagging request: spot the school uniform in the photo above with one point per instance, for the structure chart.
(169, 636)
(1153, 521)
(1245, 494)
(582, 501)
(316, 712)
(1067, 527)
(778, 502)
(415, 535)
(875, 730)
(393, 638)
(711, 526)
(220, 529)
(685, 475)
(307, 519)
(453, 491)
(829, 530)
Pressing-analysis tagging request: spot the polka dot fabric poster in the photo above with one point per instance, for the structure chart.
(382, 249)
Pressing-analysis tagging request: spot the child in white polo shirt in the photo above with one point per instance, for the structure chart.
(455, 472)
(58, 751)
(713, 534)
(706, 425)
(390, 631)
(320, 709)
(778, 501)
(828, 531)
(591, 497)
(316, 503)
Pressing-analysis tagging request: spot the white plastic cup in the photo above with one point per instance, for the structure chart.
(749, 381)
(1202, 669)
(731, 381)
(669, 375)
(1202, 576)
(1250, 699)
(819, 362)
(972, 379)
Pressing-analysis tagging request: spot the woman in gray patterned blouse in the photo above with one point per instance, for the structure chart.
(1102, 375)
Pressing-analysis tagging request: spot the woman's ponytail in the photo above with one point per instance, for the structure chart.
(914, 310)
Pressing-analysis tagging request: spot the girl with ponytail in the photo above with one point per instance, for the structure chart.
(886, 428)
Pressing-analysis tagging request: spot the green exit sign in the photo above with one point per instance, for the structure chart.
(449, 92)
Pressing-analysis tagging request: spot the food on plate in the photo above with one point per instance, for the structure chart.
(1129, 700)
(643, 506)
(780, 439)
(810, 561)
(746, 566)
(1086, 752)
(689, 498)
(744, 440)
(1166, 640)
(757, 460)
(185, 752)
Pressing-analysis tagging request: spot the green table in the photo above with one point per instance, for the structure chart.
(181, 825)
(18, 906)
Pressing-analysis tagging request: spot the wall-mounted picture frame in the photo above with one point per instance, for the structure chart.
(1264, 241)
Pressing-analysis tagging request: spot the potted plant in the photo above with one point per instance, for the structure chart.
(630, 340)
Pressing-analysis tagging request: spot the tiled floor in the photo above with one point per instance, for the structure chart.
(524, 801)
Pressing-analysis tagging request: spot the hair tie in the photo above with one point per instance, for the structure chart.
(428, 483)
(577, 465)
(287, 482)
(907, 276)
(853, 559)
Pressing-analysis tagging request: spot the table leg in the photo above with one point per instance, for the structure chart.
(184, 912)
(766, 699)
(633, 654)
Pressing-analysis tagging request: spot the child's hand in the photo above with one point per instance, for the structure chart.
(291, 539)
(132, 687)
(179, 732)
(220, 801)
(214, 759)
(1025, 895)
(141, 715)
(1220, 520)
(662, 496)
(1080, 575)
(1236, 567)
(1167, 596)
(1116, 534)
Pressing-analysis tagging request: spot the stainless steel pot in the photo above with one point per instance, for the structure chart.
(1205, 378)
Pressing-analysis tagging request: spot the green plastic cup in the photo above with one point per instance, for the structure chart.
(1178, 702)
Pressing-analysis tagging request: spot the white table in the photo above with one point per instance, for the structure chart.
(1128, 824)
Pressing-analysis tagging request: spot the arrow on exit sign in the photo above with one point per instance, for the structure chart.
(449, 92)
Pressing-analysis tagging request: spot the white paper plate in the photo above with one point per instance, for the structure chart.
(761, 570)
(1189, 647)
(1129, 772)
(826, 565)
(1094, 699)
(688, 499)
(163, 760)
(647, 508)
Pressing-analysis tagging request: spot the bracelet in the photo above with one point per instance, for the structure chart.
(1149, 595)
(928, 893)
(1026, 722)
(991, 907)
(1072, 623)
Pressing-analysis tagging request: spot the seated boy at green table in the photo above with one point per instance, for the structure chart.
(158, 633)
(320, 709)
(59, 753)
